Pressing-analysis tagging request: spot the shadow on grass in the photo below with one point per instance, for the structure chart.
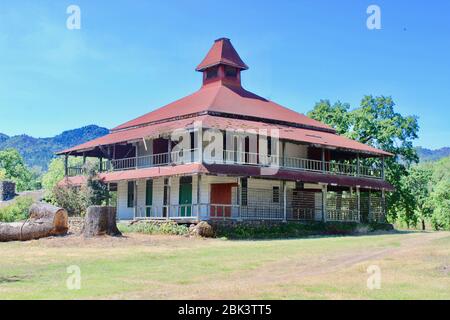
(292, 231)
(11, 279)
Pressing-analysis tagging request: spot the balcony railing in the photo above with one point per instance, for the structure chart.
(237, 158)
(154, 160)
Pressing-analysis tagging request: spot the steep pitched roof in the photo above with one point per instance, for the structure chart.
(222, 52)
(226, 99)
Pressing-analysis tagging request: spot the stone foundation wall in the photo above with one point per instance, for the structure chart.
(7, 190)
(76, 225)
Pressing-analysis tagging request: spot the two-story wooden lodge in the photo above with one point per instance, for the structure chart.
(226, 153)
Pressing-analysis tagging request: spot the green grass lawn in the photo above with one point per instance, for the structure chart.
(413, 266)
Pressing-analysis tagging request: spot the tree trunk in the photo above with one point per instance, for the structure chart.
(44, 221)
(423, 225)
(100, 221)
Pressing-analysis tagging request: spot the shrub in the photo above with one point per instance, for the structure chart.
(165, 228)
(293, 229)
(74, 200)
(17, 211)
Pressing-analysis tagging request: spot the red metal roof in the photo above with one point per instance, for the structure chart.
(222, 52)
(233, 100)
(224, 106)
(234, 170)
(326, 139)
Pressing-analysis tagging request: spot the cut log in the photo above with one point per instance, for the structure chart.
(100, 221)
(44, 221)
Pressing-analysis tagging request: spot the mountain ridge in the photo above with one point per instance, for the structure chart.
(426, 154)
(38, 152)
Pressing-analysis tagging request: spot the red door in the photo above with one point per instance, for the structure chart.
(221, 200)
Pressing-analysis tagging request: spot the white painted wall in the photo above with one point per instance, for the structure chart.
(124, 213)
(205, 193)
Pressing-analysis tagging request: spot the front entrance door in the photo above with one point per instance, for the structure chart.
(221, 199)
(185, 197)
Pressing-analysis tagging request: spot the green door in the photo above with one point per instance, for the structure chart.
(148, 198)
(185, 197)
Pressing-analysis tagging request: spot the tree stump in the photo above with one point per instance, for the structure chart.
(100, 221)
(44, 221)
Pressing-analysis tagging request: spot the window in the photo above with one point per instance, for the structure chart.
(130, 201)
(276, 195)
(230, 72)
(148, 197)
(212, 73)
(166, 197)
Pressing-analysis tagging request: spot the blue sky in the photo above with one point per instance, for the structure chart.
(131, 57)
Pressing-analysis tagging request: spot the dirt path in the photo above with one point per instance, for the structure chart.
(284, 272)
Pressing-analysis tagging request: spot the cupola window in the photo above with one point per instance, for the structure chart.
(230, 72)
(212, 73)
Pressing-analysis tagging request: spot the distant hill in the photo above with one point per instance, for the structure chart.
(432, 155)
(38, 152)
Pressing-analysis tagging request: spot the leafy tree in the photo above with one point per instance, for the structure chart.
(336, 115)
(2, 174)
(14, 169)
(440, 199)
(377, 124)
(417, 185)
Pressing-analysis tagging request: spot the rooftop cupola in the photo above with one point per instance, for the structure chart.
(222, 63)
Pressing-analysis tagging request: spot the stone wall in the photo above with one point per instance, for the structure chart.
(76, 225)
(7, 190)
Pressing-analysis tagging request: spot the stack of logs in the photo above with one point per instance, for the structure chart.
(45, 220)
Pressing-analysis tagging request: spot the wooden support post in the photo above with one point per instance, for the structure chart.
(200, 144)
(358, 201)
(358, 166)
(199, 180)
(100, 164)
(66, 165)
(369, 214)
(323, 160)
(284, 201)
(283, 154)
(383, 175)
(324, 202)
(239, 198)
(136, 146)
(383, 204)
(169, 150)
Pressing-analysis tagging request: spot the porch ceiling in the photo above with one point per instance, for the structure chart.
(236, 170)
